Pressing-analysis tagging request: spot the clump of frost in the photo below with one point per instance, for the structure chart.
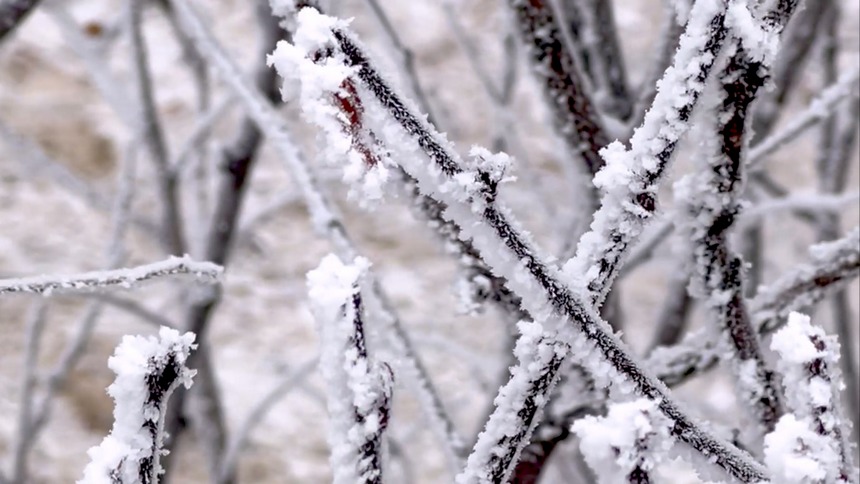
(633, 437)
(795, 454)
(358, 389)
(147, 370)
(800, 344)
(316, 75)
(759, 40)
(810, 444)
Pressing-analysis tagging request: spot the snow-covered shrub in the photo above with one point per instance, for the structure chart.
(553, 262)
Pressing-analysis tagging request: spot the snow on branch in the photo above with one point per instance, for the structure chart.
(471, 203)
(519, 405)
(148, 370)
(358, 388)
(810, 444)
(626, 444)
(821, 107)
(628, 182)
(575, 113)
(834, 265)
(122, 278)
(713, 199)
(323, 215)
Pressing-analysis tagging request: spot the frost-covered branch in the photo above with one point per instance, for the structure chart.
(609, 66)
(152, 134)
(629, 181)
(714, 195)
(519, 405)
(833, 266)
(236, 164)
(358, 388)
(575, 115)
(325, 221)
(148, 370)
(809, 363)
(470, 197)
(818, 109)
(626, 444)
(111, 279)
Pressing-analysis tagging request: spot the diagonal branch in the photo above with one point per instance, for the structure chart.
(13, 13)
(470, 197)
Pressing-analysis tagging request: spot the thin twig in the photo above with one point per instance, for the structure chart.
(112, 279)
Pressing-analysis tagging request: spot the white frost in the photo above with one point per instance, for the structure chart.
(131, 439)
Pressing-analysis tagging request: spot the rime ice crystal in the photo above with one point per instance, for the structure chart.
(148, 370)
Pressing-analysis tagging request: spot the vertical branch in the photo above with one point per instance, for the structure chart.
(237, 163)
(576, 117)
(153, 136)
(630, 181)
(148, 370)
(715, 201)
(839, 135)
(809, 365)
(358, 388)
(327, 223)
(609, 59)
(29, 374)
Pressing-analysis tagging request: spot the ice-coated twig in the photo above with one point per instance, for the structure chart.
(470, 198)
(626, 444)
(328, 223)
(576, 116)
(148, 370)
(714, 195)
(29, 375)
(629, 181)
(152, 135)
(794, 51)
(609, 67)
(818, 109)
(115, 278)
(809, 363)
(358, 388)
(833, 266)
(519, 405)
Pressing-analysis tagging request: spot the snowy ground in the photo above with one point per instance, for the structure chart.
(263, 327)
